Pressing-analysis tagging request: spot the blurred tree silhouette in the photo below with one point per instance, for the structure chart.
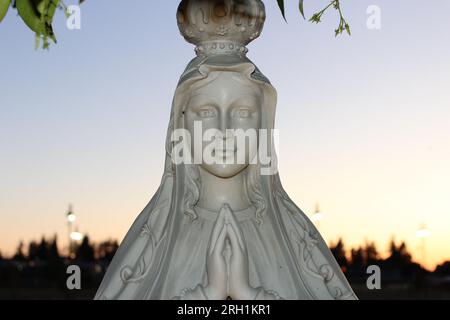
(443, 269)
(53, 252)
(42, 251)
(19, 255)
(338, 251)
(371, 253)
(399, 255)
(33, 251)
(44, 269)
(357, 258)
(85, 252)
(106, 250)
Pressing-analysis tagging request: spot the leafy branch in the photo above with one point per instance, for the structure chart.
(316, 17)
(38, 16)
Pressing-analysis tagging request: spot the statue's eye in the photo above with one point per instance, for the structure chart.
(207, 113)
(242, 113)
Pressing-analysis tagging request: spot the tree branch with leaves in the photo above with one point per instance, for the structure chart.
(316, 17)
(38, 16)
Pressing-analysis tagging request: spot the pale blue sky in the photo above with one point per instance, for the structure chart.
(364, 120)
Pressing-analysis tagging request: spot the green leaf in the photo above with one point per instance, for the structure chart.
(347, 27)
(302, 11)
(42, 7)
(315, 18)
(281, 6)
(30, 15)
(52, 8)
(337, 32)
(4, 6)
(37, 41)
(337, 5)
(38, 16)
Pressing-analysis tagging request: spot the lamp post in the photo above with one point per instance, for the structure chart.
(71, 218)
(317, 216)
(423, 233)
(76, 236)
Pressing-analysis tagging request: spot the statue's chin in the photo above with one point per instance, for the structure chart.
(224, 171)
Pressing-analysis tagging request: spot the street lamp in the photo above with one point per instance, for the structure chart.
(317, 216)
(71, 218)
(76, 236)
(423, 233)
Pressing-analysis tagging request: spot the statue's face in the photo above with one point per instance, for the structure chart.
(225, 104)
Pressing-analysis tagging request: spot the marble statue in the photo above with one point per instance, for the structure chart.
(219, 229)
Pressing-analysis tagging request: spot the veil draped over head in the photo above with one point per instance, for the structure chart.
(159, 257)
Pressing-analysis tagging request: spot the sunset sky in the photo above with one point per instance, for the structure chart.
(364, 121)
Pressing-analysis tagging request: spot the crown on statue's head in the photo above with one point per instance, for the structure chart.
(220, 26)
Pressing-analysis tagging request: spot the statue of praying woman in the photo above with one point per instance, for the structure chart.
(220, 225)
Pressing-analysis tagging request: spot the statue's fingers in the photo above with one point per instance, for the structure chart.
(225, 209)
(218, 226)
(231, 218)
(238, 235)
(220, 243)
(235, 245)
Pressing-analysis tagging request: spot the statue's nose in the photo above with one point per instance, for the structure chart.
(223, 124)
